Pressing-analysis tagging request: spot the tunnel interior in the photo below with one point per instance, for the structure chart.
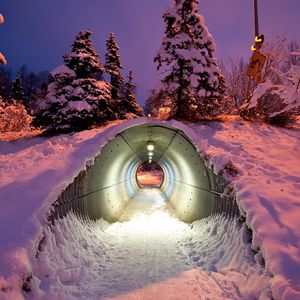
(108, 184)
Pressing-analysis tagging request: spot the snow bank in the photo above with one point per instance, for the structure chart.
(268, 190)
(153, 255)
(35, 171)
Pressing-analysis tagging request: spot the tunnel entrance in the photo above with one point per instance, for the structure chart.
(114, 239)
(150, 175)
(110, 181)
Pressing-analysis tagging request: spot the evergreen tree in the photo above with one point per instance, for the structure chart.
(31, 83)
(5, 83)
(113, 67)
(129, 102)
(75, 99)
(83, 59)
(17, 92)
(187, 58)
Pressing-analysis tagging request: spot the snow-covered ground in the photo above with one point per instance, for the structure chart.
(268, 190)
(34, 171)
(152, 255)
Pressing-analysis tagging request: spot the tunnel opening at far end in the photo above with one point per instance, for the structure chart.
(105, 188)
(150, 175)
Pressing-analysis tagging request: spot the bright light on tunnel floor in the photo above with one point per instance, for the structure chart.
(148, 213)
(156, 223)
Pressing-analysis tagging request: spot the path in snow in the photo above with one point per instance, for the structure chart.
(149, 254)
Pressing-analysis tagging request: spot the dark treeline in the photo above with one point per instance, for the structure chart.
(34, 85)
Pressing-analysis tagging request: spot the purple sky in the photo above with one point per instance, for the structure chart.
(39, 32)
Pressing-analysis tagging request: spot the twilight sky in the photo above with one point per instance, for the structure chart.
(38, 32)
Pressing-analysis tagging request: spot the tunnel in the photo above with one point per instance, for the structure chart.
(107, 237)
(109, 182)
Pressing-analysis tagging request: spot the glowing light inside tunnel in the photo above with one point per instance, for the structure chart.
(150, 146)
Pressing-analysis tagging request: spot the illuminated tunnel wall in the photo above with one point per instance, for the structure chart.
(104, 189)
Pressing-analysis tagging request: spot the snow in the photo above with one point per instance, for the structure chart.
(77, 105)
(287, 90)
(268, 190)
(62, 69)
(2, 59)
(259, 91)
(34, 171)
(148, 256)
(296, 53)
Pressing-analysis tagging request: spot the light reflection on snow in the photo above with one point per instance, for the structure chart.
(158, 222)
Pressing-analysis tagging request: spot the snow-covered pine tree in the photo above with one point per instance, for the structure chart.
(186, 57)
(113, 67)
(76, 100)
(129, 104)
(83, 59)
(51, 111)
(17, 92)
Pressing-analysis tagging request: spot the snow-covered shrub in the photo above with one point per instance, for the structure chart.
(276, 101)
(186, 57)
(14, 117)
(161, 105)
(239, 87)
